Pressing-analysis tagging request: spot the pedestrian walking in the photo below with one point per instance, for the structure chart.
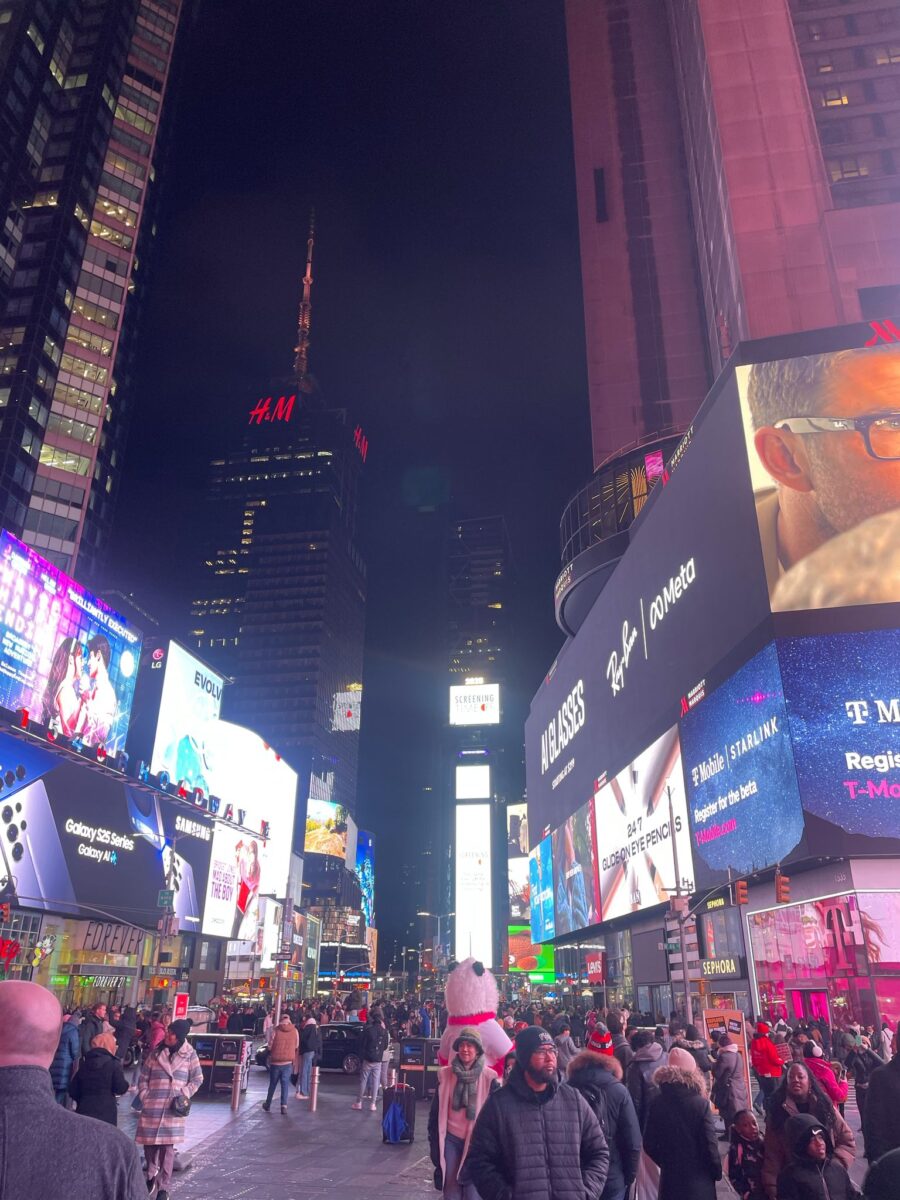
(283, 1050)
(169, 1077)
(92, 1024)
(745, 1156)
(729, 1090)
(46, 1151)
(99, 1080)
(881, 1123)
(813, 1172)
(310, 1047)
(463, 1087)
(861, 1062)
(375, 1040)
(649, 1056)
(598, 1077)
(125, 1026)
(799, 1092)
(680, 1136)
(537, 1139)
(565, 1046)
(621, 1048)
(766, 1062)
(68, 1052)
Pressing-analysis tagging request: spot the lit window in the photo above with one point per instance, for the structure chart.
(846, 168)
(824, 64)
(834, 98)
(885, 55)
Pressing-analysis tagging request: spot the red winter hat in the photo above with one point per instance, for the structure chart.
(600, 1041)
(763, 1027)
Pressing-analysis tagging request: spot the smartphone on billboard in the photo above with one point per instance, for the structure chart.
(146, 817)
(33, 855)
(178, 874)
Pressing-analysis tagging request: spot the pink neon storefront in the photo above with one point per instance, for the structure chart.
(835, 957)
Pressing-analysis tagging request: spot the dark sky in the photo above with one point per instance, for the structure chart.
(434, 140)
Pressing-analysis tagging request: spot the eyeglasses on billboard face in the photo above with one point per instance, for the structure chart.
(880, 432)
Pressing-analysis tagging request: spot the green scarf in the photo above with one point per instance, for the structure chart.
(466, 1085)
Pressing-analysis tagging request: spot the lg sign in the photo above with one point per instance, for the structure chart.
(475, 704)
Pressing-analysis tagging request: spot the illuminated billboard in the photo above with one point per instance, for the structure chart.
(475, 704)
(576, 882)
(365, 871)
(346, 711)
(823, 443)
(65, 655)
(189, 706)
(329, 830)
(473, 907)
(538, 962)
(262, 789)
(473, 781)
(633, 813)
(540, 888)
(517, 863)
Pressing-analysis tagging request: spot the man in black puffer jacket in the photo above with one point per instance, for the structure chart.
(598, 1078)
(534, 1138)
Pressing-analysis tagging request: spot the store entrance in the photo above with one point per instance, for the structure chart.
(808, 1005)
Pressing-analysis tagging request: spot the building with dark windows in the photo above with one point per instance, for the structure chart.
(479, 564)
(84, 84)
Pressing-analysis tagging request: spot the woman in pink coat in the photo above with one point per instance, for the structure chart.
(814, 1060)
(172, 1069)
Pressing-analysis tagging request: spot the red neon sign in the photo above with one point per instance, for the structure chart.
(361, 442)
(263, 410)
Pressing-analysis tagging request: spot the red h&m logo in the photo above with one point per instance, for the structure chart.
(263, 411)
(361, 442)
(884, 331)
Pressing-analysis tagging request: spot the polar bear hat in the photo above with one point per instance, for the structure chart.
(471, 997)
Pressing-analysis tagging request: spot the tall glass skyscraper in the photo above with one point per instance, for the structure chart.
(83, 86)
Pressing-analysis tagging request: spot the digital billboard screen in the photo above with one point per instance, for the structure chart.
(365, 871)
(576, 881)
(65, 655)
(823, 444)
(189, 707)
(538, 962)
(74, 836)
(540, 888)
(249, 775)
(328, 828)
(634, 812)
(472, 852)
(473, 781)
(517, 863)
(744, 802)
(346, 711)
(475, 704)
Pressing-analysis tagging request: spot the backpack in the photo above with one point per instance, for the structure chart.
(596, 1098)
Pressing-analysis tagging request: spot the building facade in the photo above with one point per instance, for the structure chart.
(85, 84)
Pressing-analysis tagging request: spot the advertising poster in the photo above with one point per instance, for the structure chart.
(346, 711)
(524, 955)
(189, 706)
(576, 882)
(65, 655)
(74, 836)
(473, 781)
(823, 443)
(472, 853)
(634, 813)
(327, 828)
(517, 830)
(517, 863)
(842, 700)
(475, 704)
(365, 871)
(743, 799)
(733, 1022)
(262, 789)
(540, 886)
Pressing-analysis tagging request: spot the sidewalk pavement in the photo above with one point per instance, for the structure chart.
(254, 1155)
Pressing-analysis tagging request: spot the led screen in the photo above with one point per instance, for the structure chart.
(576, 883)
(517, 830)
(519, 890)
(540, 886)
(842, 699)
(328, 829)
(823, 444)
(189, 706)
(347, 707)
(65, 655)
(365, 870)
(474, 927)
(744, 803)
(538, 961)
(475, 704)
(246, 773)
(73, 836)
(633, 813)
(473, 782)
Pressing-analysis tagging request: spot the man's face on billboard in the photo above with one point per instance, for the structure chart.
(95, 661)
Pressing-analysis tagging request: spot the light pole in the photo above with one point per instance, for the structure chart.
(437, 917)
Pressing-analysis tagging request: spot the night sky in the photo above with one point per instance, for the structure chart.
(434, 140)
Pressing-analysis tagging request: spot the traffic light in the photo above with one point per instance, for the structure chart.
(782, 888)
(741, 895)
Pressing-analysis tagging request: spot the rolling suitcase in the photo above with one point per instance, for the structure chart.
(398, 1110)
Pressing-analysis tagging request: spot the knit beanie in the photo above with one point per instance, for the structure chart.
(469, 1035)
(683, 1059)
(600, 1041)
(762, 1027)
(530, 1039)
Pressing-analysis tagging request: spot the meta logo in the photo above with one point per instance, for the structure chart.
(264, 410)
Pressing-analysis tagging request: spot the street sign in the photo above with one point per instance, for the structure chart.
(673, 947)
(166, 898)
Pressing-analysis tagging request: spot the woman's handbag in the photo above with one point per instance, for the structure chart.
(180, 1106)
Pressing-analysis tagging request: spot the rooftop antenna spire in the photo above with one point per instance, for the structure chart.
(301, 350)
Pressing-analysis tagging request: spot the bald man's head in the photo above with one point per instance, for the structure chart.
(30, 1021)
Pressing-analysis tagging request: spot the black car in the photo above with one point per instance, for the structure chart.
(340, 1048)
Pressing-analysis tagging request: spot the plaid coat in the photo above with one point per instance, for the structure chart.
(161, 1079)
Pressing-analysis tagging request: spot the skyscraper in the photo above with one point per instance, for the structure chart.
(84, 84)
(280, 603)
(737, 177)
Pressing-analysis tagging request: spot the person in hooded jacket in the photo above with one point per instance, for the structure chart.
(649, 1056)
(99, 1080)
(565, 1046)
(799, 1092)
(599, 1079)
(729, 1090)
(125, 1026)
(814, 1059)
(813, 1172)
(681, 1138)
(66, 1056)
(697, 1048)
